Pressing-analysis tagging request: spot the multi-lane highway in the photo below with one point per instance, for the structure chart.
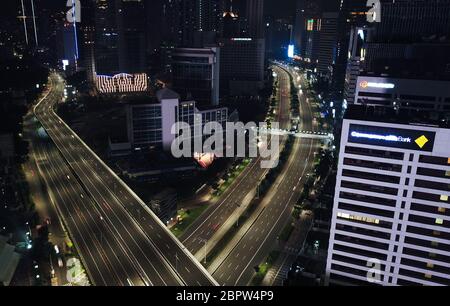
(253, 245)
(120, 241)
(215, 216)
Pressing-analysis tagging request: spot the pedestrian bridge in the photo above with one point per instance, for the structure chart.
(298, 134)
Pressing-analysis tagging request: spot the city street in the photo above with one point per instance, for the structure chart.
(253, 245)
(218, 218)
(132, 247)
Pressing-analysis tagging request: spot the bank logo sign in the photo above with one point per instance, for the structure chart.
(389, 137)
(422, 141)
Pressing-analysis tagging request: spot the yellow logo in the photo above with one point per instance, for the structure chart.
(421, 141)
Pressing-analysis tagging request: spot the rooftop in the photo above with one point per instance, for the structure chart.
(401, 116)
(166, 94)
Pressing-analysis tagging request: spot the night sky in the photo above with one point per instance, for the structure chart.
(277, 8)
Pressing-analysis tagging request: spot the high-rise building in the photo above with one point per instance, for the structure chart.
(327, 53)
(412, 94)
(241, 65)
(150, 125)
(255, 18)
(195, 74)
(231, 23)
(190, 22)
(278, 36)
(356, 54)
(106, 38)
(390, 221)
(119, 46)
(401, 46)
(411, 20)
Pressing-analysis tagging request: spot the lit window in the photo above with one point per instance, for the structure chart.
(447, 173)
(436, 233)
(441, 210)
(448, 160)
(439, 221)
(432, 254)
(428, 276)
(444, 197)
(430, 265)
(358, 218)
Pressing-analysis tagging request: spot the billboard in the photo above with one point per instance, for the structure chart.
(291, 51)
(392, 137)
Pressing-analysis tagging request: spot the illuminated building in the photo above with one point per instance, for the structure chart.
(327, 53)
(356, 54)
(241, 65)
(195, 73)
(119, 46)
(186, 21)
(255, 20)
(391, 215)
(149, 125)
(122, 83)
(414, 94)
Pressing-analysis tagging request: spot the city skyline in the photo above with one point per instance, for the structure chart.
(207, 143)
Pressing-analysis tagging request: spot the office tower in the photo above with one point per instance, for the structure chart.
(190, 22)
(390, 221)
(411, 20)
(352, 14)
(195, 74)
(277, 33)
(413, 94)
(307, 24)
(310, 48)
(231, 23)
(106, 38)
(404, 26)
(86, 33)
(119, 46)
(120, 39)
(241, 65)
(241, 58)
(327, 53)
(401, 47)
(131, 32)
(156, 29)
(150, 125)
(255, 18)
(66, 50)
(356, 54)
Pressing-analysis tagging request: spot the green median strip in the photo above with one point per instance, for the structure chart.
(187, 216)
(232, 176)
(263, 268)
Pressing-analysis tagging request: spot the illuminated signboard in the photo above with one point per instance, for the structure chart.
(122, 82)
(366, 84)
(391, 137)
(241, 39)
(291, 51)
